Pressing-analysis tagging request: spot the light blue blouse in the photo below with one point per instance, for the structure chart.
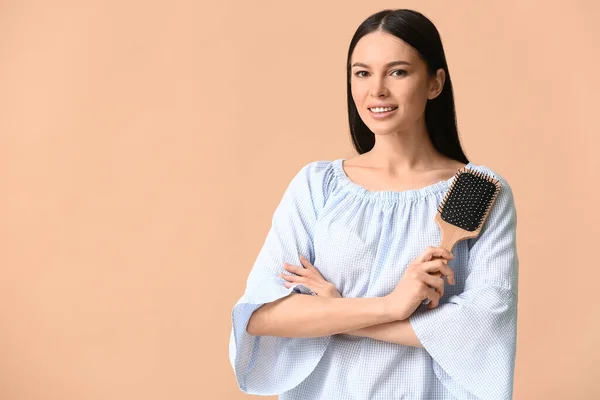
(362, 241)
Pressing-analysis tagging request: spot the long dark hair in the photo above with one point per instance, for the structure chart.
(440, 116)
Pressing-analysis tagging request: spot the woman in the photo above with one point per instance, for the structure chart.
(368, 314)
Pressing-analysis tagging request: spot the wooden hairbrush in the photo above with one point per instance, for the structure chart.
(465, 208)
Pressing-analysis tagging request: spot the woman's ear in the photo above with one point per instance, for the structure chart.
(436, 84)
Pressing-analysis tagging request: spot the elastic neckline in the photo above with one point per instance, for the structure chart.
(435, 188)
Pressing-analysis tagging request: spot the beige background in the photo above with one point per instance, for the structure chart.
(145, 145)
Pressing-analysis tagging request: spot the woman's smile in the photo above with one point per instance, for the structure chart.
(382, 112)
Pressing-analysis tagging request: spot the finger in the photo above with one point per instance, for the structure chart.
(304, 261)
(435, 283)
(433, 266)
(292, 278)
(439, 266)
(444, 260)
(295, 269)
(439, 252)
(311, 267)
(440, 275)
(432, 252)
(434, 299)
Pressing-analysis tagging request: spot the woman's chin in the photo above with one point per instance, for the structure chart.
(380, 130)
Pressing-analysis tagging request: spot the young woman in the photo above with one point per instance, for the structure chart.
(350, 297)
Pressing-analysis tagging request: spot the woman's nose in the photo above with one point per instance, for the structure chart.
(378, 89)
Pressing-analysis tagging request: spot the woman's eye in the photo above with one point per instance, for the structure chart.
(400, 71)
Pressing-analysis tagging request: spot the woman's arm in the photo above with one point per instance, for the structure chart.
(299, 315)
(399, 332)
(391, 326)
(321, 316)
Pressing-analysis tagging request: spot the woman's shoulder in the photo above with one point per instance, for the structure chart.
(318, 166)
(315, 179)
(317, 171)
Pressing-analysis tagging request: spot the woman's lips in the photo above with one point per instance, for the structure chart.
(384, 114)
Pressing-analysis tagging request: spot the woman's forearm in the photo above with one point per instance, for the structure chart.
(300, 315)
(399, 332)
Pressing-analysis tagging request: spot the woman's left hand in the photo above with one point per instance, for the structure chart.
(309, 277)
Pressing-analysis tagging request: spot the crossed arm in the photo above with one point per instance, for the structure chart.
(399, 332)
(299, 315)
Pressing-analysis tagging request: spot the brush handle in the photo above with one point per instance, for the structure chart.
(449, 239)
(450, 236)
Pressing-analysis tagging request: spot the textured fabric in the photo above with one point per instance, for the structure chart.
(362, 241)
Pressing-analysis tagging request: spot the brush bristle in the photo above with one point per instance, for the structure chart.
(469, 199)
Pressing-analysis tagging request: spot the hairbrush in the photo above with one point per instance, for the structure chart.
(465, 208)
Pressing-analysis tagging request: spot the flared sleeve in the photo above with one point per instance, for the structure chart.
(270, 365)
(472, 337)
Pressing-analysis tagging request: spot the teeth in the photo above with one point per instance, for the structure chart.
(382, 109)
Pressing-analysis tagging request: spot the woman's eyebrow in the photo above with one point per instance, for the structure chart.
(390, 64)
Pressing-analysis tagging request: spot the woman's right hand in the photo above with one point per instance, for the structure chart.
(417, 283)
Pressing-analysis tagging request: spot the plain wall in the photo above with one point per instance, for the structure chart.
(145, 145)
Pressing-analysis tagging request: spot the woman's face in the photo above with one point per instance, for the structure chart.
(385, 71)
